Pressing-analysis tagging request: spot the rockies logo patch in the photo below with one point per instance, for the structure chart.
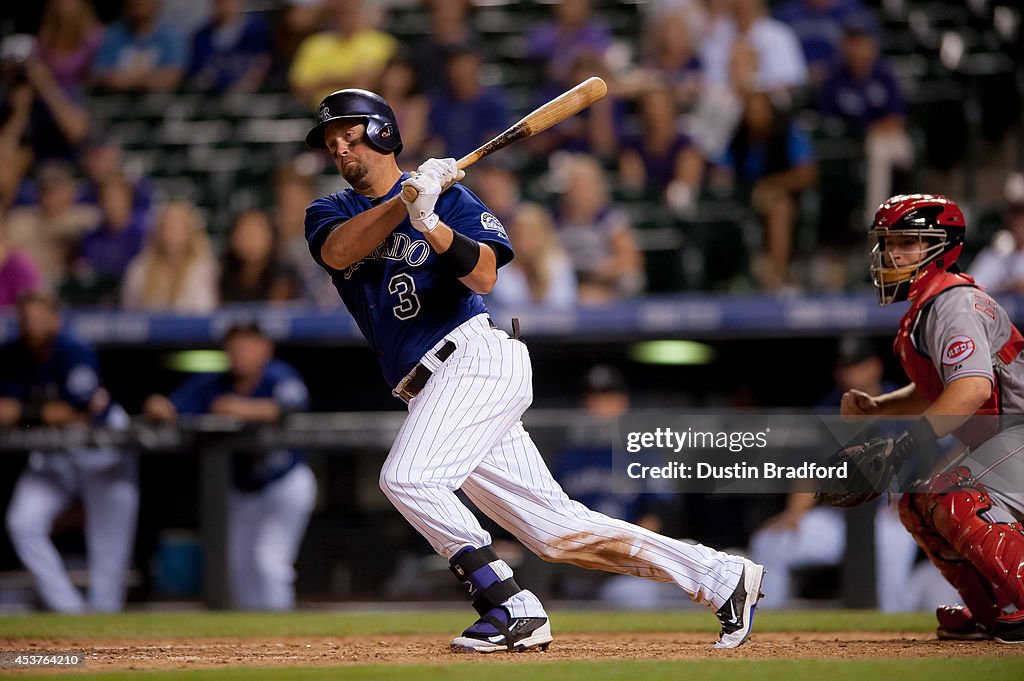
(324, 113)
(488, 221)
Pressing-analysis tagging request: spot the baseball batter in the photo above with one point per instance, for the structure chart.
(412, 275)
(963, 357)
(47, 377)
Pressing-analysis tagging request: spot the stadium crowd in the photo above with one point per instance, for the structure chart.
(736, 103)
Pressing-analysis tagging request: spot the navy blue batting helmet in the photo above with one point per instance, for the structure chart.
(381, 126)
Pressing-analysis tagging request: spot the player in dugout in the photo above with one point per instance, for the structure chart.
(50, 378)
(273, 492)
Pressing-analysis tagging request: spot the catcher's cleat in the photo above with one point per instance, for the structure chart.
(1010, 628)
(957, 623)
(737, 614)
(500, 630)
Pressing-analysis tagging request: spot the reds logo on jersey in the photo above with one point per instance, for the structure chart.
(957, 350)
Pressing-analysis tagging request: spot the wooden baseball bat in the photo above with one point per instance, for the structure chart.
(567, 104)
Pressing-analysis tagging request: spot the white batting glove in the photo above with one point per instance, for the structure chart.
(444, 169)
(421, 210)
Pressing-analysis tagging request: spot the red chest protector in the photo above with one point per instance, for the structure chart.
(919, 367)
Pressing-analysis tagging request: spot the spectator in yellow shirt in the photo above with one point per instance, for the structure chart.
(350, 54)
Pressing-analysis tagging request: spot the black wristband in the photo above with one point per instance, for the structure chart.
(462, 255)
(920, 439)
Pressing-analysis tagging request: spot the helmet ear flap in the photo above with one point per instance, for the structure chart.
(383, 135)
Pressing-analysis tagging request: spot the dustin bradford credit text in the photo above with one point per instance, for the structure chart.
(765, 471)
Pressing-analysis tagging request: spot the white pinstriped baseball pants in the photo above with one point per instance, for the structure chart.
(464, 431)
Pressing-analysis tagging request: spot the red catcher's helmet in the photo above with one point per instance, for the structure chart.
(937, 224)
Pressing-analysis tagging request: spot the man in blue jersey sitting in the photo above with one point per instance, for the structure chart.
(273, 492)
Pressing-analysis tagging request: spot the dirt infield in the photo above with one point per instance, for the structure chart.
(176, 653)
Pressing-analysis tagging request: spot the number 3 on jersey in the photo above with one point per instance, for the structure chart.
(404, 286)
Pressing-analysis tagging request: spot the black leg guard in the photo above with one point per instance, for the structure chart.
(473, 568)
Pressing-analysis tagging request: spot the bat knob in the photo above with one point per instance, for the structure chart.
(409, 194)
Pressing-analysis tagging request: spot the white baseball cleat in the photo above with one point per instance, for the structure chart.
(522, 633)
(737, 613)
(500, 630)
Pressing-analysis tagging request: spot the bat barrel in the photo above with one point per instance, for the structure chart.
(557, 110)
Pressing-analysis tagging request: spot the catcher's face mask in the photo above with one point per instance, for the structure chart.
(913, 236)
(898, 257)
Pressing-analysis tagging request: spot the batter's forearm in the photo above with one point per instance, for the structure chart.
(484, 275)
(357, 237)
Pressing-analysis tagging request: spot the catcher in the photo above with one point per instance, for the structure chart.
(963, 358)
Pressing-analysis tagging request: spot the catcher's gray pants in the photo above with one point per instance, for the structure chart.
(998, 464)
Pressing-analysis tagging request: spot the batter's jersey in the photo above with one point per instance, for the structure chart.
(402, 296)
(279, 382)
(962, 332)
(69, 373)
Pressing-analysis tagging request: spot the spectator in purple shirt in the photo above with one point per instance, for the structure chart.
(675, 58)
(102, 158)
(232, 51)
(557, 44)
(863, 94)
(69, 38)
(104, 253)
(818, 25)
(659, 159)
(18, 273)
(36, 112)
(465, 113)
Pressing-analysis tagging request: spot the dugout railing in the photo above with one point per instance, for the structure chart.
(213, 439)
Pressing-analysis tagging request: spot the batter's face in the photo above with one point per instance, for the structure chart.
(352, 154)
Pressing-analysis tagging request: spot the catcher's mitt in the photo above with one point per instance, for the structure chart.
(870, 468)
